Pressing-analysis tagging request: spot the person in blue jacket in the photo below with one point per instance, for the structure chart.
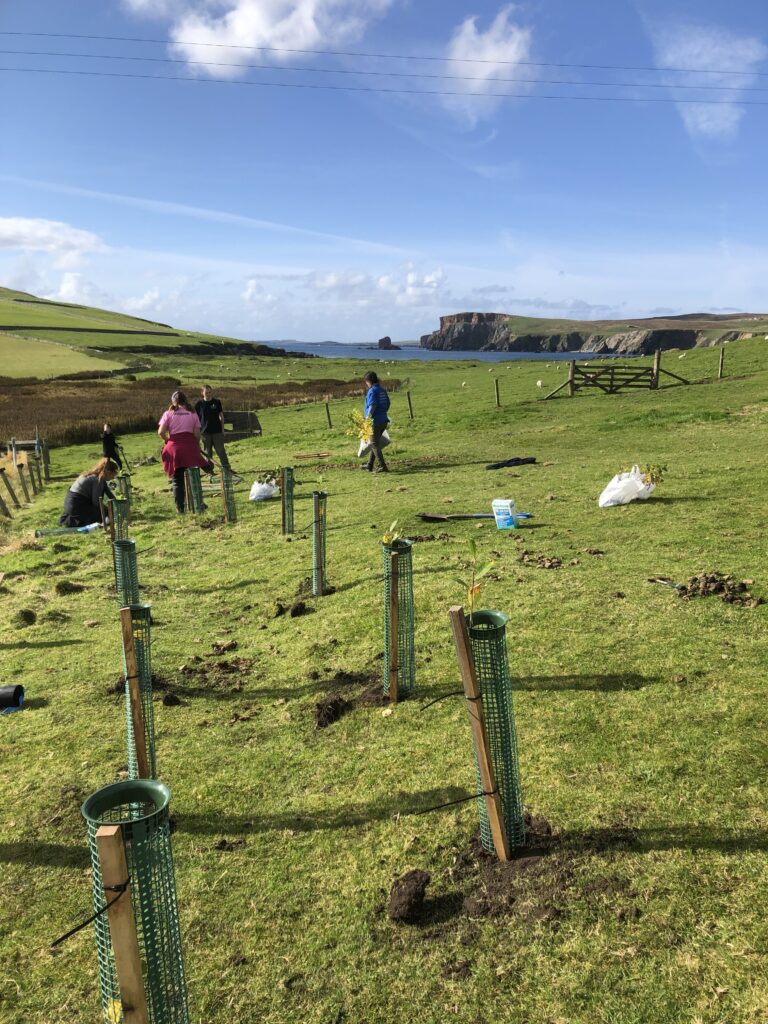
(376, 406)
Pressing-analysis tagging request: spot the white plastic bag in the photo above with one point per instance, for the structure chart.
(365, 446)
(260, 492)
(625, 487)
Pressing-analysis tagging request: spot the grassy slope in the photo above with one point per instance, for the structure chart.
(26, 357)
(640, 711)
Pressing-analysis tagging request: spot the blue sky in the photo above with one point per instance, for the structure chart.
(269, 212)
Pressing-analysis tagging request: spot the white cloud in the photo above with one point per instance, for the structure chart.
(252, 25)
(709, 48)
(37, 235)
(149, 300)
(73, 287)
(499, 47)
(404, 287)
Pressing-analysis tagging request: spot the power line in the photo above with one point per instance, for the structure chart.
(381, 74)
(371, 89)
(387, 56)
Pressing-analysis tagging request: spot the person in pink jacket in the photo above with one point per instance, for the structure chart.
(179, 427)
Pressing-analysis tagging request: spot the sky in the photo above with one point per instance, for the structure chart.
(217, 171)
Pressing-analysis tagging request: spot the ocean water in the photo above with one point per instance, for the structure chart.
(338, 350)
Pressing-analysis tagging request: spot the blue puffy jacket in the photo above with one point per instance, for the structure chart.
(376, 405)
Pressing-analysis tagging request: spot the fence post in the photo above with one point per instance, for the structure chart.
(31, 478)
(328, 415)
(122, 926)
(721, 363)
(46, 461)
(13, 453)
(36, 469)
(286, 500)
(410, 405)
(571, 378)
(479, 736)
(4, 510)
(9, 487)
(496, 389)
(656, 369)
(23, 482)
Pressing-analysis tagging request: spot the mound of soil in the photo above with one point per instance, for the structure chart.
(24, 617)
(223, 647)
(406, 898)
(425, 537)
(64, 587)
(330, 709)
(300, 608)
(539, 560)
(716, 584)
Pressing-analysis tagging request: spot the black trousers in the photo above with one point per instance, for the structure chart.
(179, 489)
(376, 455)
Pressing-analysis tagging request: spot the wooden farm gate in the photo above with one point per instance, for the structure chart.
(613, 377)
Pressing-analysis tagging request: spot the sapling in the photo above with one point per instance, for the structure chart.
(477, 571)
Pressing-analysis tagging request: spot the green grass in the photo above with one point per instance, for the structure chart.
(26, 357)
(639, 712)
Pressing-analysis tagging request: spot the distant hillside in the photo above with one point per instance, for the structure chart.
(502, 332)
(43, 338)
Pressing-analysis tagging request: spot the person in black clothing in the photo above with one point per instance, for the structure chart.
(82, 505)
(109, 446)
(211, 417)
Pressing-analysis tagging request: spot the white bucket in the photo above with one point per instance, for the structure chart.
(504, 512)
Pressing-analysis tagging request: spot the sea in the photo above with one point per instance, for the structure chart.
(340, 350)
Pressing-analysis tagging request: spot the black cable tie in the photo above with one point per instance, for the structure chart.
(119, 889)
(452, 803)
(445, 696)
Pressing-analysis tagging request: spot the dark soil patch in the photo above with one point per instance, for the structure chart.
(64, 587)
(58, 548)
(594, 551)
(278, 609)
(457, 970)
(406, 897)
(330, 709)
(223, 648)
(228, 845)
(24, 617)
(715, 584)
(372, 697)
(539, 560)
(170, 700)
(300, 608)
(54, 616)
(423, 538)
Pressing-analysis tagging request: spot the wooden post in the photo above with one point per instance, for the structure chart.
(328, 415)
(23, 482)
(13, 453)
(571, 378)
(479, 735)
(496, 388)
(394, 583)
(134, 694)
(9, 487)
(108, 517)
(224, 496)
(122, 927)
(720, 363)
(317, 541)
(36, 468)
(656, 369)
(46, 463)
(410, 405)
(4, 510)
(32, 478)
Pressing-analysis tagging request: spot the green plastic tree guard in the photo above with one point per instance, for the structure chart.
(120, 508)
(126, 572)
(287, 484)
(141, 628)
(318, 542)
(406, 661)
(487, 638)
(228, 495)
(140, 809)
(195, 489)
(124, 486)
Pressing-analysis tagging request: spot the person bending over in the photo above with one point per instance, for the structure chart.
(82, 505)
(377, 407)
(109, 446)
(179, 427)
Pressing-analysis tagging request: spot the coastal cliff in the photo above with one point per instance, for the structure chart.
(501, 332)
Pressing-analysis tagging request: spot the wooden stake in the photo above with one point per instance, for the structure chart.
(32, 478)
(394, 584)
(9, 487)
(46, 463)
(479, 735)
(283, 510)
(720, 364)
(122, 927)
(571, 379)
(108, 515)
(496, 387)
(224, 498)
(656, 369)
(23, 482)
(410, 405)
(36, 469)
(4, 510)
(134, 693)
(328, 415)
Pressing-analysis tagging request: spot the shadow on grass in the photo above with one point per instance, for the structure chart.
(50, 855)
(665, 499)
(21, 644)
(36, 702)
(684, 837)
(604, 683)
(379, 577)
(352, 816)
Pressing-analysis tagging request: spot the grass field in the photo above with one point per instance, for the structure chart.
(26, 357)
(641, 718)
